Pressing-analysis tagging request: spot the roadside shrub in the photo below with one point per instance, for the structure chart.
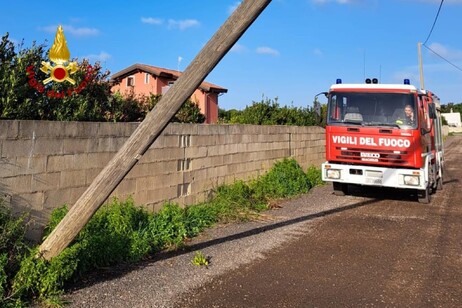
(314, 176)
(114, 234)
(122, 232)
(285, 179)
(12, 247)
(167, 227)
(237, 201)
(56, 216)
(43, 280)
(199, 217)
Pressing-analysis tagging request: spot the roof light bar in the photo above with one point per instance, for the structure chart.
(373, 80)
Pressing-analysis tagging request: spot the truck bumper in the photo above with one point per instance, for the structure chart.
(375, 176)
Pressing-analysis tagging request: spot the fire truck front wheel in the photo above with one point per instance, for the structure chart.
(424, 195)
(340, 189)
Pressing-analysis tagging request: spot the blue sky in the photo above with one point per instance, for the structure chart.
(294, 50)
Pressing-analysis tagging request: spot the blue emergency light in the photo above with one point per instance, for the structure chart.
(338, 81)
(407, 81)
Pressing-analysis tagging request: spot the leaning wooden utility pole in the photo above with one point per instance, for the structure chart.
(152, 126)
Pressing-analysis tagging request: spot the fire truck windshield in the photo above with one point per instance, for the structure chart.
(372, 109)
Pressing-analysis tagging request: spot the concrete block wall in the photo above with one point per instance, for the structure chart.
(44, 165)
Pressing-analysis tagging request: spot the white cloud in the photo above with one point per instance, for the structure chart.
(436, 1)
(81, 31)
(410, 73)
(267, 51)
(233, 7)
(151, 20)
(171, 23)
(101, 57)
(318, 52)
(238, 48)
(445, 52)
(72, 30)
(182, 24)
(335, 1)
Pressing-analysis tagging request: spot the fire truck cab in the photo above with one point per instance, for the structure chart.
(385, 135)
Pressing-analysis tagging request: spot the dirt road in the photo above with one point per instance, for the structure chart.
(384, 250)
(373, 249)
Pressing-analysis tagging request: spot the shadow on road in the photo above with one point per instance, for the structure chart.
(121, 270)
(262, 229)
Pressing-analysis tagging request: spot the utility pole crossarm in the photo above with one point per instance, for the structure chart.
(152, 126)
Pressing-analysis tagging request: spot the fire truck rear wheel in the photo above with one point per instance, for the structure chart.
(424, 195)
(340, 189)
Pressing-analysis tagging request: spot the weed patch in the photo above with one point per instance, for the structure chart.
(285, 179)
(12, 247)
(121, 232)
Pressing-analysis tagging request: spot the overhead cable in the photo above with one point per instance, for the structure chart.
(460, 69)
(430, 33)
(434, 22)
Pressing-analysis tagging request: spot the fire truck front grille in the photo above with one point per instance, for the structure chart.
(371, 156)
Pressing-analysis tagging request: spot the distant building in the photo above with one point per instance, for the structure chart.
(453, 118)
(142, 79)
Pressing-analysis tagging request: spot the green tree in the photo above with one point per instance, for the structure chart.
(268, 112)
(131, 107)
(23, 95)
(87, 100)
(225, 116)
(128, 108)
(259, 113)
(446, 108)
(18, 100)
(189, 113)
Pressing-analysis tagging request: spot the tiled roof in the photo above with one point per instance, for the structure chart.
(162, 72)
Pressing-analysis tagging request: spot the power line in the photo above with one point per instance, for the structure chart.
(434, 22)
(460, 69)
(430, 33)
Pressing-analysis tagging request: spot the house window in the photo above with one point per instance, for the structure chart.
(165, 88)
(146, 78)
(130, 81)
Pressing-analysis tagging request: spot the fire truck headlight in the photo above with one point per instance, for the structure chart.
(413, 180)
(333, 174)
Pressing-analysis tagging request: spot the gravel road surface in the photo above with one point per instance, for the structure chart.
(373, 248)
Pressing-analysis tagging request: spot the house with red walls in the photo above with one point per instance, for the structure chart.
(142, 79)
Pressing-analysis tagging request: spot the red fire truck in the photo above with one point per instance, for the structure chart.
(386, 135)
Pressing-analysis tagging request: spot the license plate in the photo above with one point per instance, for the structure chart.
(374, 181)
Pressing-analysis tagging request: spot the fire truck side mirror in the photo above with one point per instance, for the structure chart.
(317, 106)
(432, 110)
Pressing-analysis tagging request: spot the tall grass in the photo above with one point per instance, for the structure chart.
(123, 232)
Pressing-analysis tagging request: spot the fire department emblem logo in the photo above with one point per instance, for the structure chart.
(59, 55)
(60, 69)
